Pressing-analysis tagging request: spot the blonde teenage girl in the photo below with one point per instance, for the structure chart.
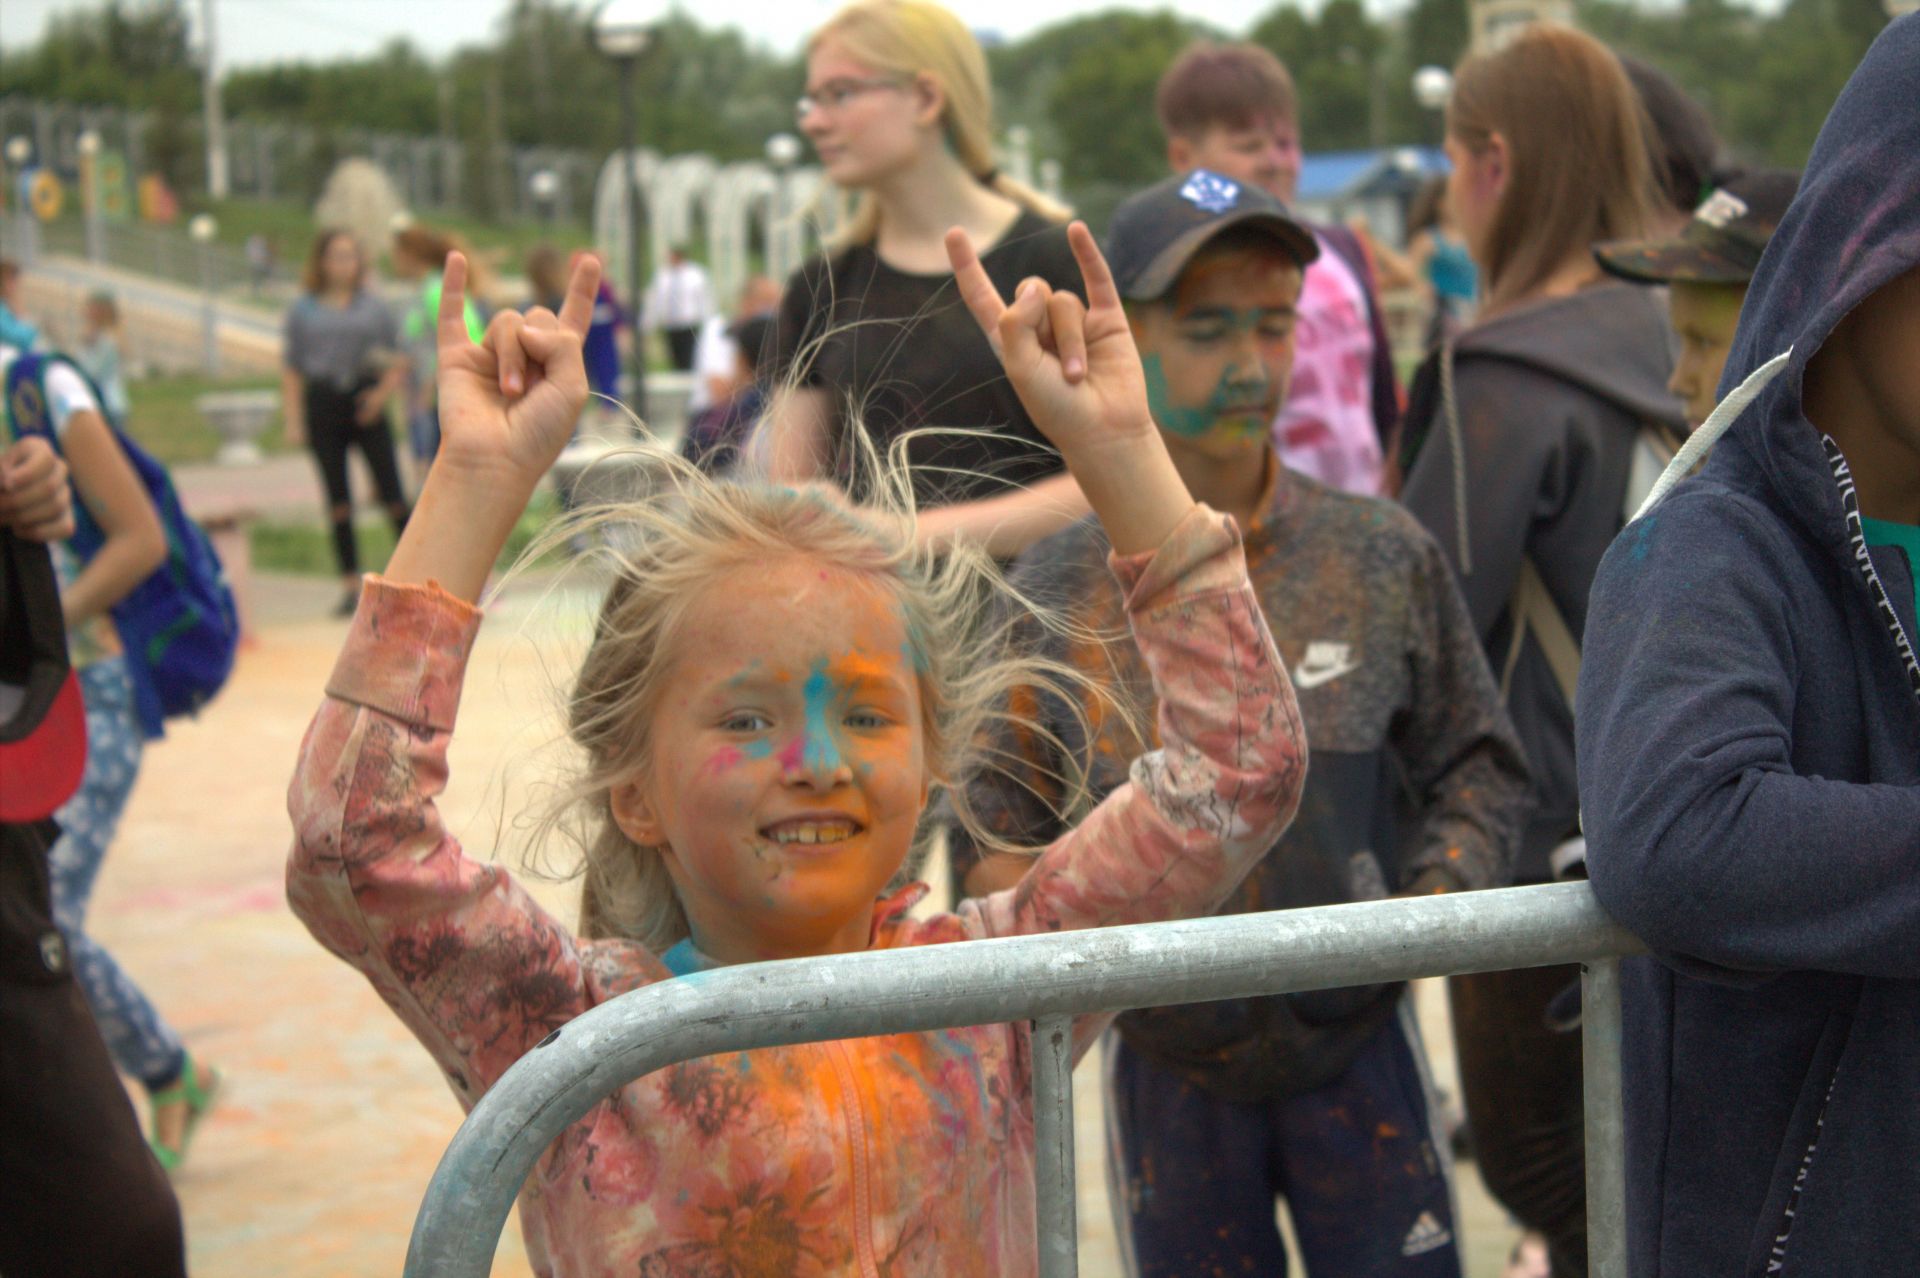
(872, 332)
(778, 680)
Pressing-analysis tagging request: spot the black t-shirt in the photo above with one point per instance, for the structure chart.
(903, 352)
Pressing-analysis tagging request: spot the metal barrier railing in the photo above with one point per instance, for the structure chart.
(1048, 980)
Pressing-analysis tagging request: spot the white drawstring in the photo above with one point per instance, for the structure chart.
(1712, 429)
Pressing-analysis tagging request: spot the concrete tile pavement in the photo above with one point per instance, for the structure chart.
(333, 1118)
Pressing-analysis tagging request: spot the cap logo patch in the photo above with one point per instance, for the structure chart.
(1719, 209)
(1210, 192)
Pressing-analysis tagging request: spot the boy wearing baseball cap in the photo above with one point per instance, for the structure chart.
(1706, 269)
(1416, 784)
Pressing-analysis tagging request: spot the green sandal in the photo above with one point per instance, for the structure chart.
(198, 1101)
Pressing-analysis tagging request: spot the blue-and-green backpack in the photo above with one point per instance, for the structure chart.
(179, 627)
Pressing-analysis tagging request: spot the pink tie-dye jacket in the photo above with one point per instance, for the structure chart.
(909, 1154)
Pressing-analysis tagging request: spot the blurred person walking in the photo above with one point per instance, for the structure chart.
(1436, 262)
(15, 329)
(99, 353)
(679, 300)
(419, 254)
(872, 335)
(341, 369)
(1521, 436)
(715, 354)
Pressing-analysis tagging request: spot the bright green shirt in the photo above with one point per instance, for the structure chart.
(1881, 532)
(425, 315)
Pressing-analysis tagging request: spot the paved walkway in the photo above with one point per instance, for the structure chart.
(333, 1118)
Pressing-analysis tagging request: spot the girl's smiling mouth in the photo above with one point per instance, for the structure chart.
(811, 830)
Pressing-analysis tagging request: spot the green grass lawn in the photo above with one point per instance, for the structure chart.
(307, 548)
(291, 228)
(164, 420)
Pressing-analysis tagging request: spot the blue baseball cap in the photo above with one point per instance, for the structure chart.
(1156, 232)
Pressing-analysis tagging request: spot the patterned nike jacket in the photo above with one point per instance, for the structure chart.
(1416, 782)
(908, 1155)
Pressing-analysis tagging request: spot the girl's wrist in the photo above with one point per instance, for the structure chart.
(1135, 490)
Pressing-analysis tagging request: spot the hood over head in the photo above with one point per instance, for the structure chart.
(1853, 227)
(1611, 341)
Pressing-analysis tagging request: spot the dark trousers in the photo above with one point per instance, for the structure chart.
(80, 1193)
(331, 433)
(1523, 1092)
(680, 344)
(1364, 1179)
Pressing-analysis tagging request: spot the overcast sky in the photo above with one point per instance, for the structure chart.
(253, 32)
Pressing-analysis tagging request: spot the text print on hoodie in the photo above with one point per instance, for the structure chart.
(1749, 745)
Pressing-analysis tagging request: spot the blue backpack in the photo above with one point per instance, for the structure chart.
(179, 627)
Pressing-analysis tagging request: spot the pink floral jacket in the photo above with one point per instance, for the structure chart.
(910, 1154)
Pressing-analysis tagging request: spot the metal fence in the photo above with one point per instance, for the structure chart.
(269, 160)
(1047, 980)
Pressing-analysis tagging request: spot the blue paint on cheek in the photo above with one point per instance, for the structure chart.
(822, 752)
(757, 749)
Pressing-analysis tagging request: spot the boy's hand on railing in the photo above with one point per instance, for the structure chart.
(509, 404)
(1077, 370)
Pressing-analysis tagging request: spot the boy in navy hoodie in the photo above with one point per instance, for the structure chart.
(1749, 745)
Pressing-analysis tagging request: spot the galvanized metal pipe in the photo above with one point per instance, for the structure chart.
(1054, 1190)
(972, 983)
(1606, 1123)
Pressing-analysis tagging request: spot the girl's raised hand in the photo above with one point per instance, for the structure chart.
(1073, 365)
(510, 403)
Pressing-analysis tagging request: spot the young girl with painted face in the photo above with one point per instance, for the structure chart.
(872, 333)
(778, 681)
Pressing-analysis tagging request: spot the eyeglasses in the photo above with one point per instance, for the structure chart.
(834, 94)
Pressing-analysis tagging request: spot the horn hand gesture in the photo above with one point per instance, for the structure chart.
(511, 401)
(1073, 364)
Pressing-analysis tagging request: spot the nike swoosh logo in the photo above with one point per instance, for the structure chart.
(1310, 677)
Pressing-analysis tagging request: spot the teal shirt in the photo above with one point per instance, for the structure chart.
(1881, 532)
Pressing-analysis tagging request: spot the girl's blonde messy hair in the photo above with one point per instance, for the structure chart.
(960, 615)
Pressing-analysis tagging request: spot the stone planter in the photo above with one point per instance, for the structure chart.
(240, 417)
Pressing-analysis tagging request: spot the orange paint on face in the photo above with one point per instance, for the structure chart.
(789, 767)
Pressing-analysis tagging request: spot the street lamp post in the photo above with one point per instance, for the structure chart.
(202, 229)
(27, 241)
(783, 152)
(622, 29)
(89, 146)
(1432, 86)
(544, 186)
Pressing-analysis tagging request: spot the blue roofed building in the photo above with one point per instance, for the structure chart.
(1376, 184)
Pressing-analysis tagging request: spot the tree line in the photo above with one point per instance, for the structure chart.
(1083, 87)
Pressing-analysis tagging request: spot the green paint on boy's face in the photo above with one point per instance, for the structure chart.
(1225, 407)
(1240, 404)
(1218, 350)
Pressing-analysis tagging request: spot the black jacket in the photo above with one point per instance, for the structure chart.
(1750, 766)
(1550, 397)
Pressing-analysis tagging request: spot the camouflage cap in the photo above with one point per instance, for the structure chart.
(1721, 243)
